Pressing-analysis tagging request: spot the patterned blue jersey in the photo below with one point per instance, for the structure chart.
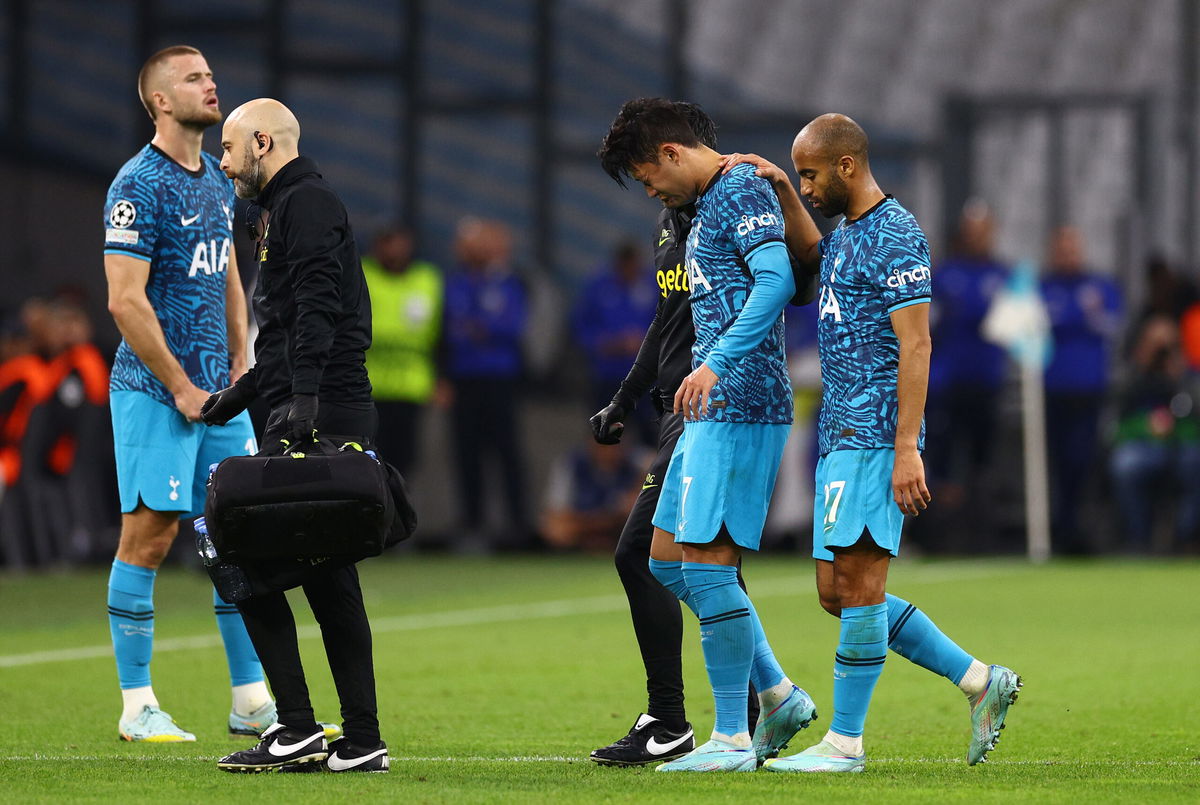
(736, 216)
(179, 221)
(869, 268)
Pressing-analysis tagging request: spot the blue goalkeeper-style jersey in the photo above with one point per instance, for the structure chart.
(179, 221)
(870, 268)
(737, 217)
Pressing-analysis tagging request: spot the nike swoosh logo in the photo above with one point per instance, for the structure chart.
(280, 749)
(189, 221)
(664, 237)
(337, 764)
(655, 748)
(649, 486)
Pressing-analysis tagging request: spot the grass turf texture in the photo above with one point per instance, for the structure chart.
(496, 677)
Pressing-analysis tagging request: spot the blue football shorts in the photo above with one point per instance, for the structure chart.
(854, 494)
(162, 459)
(721, 472)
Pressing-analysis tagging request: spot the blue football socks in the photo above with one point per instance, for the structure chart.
(670, 575)
(244, 667)
(912, 635)
(765, 671)
(727, 639)
(861, 651)
(131, 621)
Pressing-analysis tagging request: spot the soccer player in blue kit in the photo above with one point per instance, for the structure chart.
(737, 406)
(174, 291)
(874, 345)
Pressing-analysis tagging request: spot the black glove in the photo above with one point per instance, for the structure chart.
(301, 420)
(608, 423)
(227, 403)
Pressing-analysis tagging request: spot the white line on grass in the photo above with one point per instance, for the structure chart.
(938, 761)
(507, 613)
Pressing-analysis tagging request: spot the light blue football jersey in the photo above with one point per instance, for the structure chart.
(869, 268)
(737, 215)
(180, 221)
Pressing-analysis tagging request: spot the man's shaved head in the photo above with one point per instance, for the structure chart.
(265, 116)
(259, 138)
(833, 136)
(830, 157)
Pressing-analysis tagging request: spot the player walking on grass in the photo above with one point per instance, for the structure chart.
(737, 408)
(174, 291)
(664, 359)
(874, 344)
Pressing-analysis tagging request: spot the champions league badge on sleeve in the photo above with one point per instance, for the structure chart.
(121, 217)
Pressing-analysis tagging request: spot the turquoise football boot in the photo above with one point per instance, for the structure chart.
(714, 756)
(257, 722)
(253, 724)
(776, 728)
(988, 711)
(822, 757)
(152, 725)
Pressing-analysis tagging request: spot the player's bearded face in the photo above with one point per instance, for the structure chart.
(198, 113)
(834, 198)
(193, 93)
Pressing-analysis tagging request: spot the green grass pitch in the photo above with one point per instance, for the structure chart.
(496, 677)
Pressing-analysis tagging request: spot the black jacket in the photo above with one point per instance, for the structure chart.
(311, 302)
(665, 357)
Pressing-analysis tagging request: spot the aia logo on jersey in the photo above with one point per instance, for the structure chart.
(208, 259)
(829, 304)
(696, 278)
(672, 279)
(899, 278)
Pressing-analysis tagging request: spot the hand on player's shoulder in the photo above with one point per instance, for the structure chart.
(765, 168)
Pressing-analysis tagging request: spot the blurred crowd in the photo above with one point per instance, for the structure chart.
(57, 482)
(1121, 388)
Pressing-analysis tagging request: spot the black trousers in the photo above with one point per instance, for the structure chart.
(337, 603)
(657, 619)
(1072, 442)
(486, 429)
(397, 440)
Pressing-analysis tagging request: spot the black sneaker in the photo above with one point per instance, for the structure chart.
(345, 756)
(648, 741)
(280, 749)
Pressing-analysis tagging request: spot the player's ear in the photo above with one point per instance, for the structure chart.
(161, 102)
(669, 152)
(846, 167)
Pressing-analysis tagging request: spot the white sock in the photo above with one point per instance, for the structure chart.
(742, 739)
(975, 680)
(851, 747)
(775, 695)
(248, 698)
(134, 699)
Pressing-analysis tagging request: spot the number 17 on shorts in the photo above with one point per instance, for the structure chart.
(833, 499)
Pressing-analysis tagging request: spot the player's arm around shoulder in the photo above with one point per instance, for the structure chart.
(139, 325)
(800, 231)
(911, 325)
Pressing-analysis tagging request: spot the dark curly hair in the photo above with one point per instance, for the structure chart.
(643, 125)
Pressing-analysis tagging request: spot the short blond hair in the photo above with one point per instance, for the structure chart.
(152, 64)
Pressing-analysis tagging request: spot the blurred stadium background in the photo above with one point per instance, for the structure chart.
(424, 112)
